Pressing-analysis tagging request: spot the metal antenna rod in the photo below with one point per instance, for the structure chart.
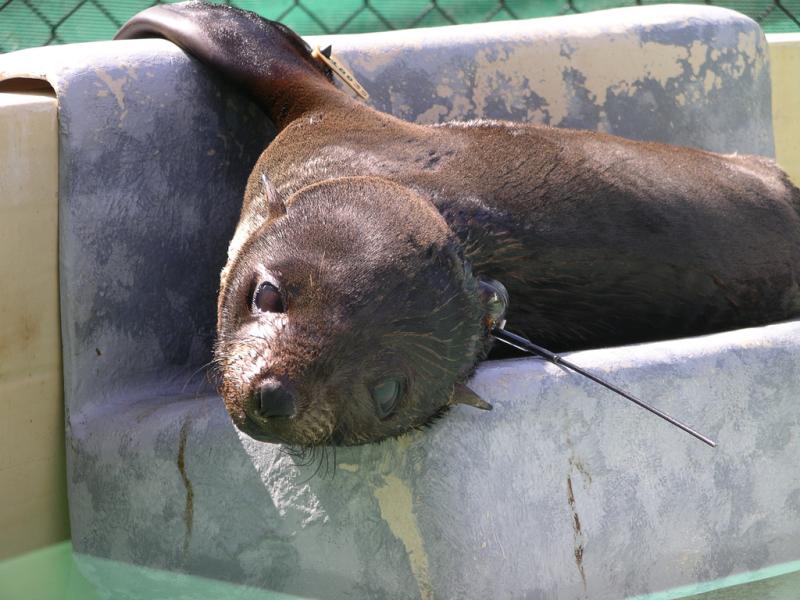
(520, 343)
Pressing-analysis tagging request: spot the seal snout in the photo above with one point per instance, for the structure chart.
(272, 399)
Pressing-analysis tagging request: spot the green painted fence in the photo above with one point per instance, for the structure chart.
(25, 23)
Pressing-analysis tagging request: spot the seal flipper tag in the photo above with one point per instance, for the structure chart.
(520, 343)
(494, 298)
(326, 57)
(463, 395)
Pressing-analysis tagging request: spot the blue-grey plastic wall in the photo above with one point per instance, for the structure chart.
(563, 491)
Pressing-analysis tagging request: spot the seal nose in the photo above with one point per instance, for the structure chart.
(274, 399)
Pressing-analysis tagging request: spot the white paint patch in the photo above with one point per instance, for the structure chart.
(626, 60)
(115, 85)
(711, 81)
(434, 114)
(397, 509)
(697, 56)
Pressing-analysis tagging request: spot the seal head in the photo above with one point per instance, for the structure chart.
(348, 316)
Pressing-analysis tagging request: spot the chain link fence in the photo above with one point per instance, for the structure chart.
(26, 23)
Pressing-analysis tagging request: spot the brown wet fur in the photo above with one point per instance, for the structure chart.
(380, 230)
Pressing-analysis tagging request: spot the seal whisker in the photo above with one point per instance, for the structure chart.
(210, 365)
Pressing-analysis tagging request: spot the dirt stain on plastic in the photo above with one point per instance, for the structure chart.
(188, 511)
(577, 532)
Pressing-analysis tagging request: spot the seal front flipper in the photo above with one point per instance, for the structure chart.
(268, 60)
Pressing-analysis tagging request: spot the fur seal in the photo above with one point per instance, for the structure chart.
(362, 279)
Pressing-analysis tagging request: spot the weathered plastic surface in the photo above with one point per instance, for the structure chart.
(694, 76)
(563, 491)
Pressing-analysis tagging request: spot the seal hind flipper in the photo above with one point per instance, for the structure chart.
(267, 59)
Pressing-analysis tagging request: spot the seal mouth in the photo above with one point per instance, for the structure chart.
(255, 430)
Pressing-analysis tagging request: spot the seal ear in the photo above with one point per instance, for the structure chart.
(276, 207)
(494, 298)
(463, 395)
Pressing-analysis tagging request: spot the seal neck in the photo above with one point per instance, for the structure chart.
(286, 102)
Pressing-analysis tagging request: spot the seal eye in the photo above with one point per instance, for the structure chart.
(268, 299)
(385, 395)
